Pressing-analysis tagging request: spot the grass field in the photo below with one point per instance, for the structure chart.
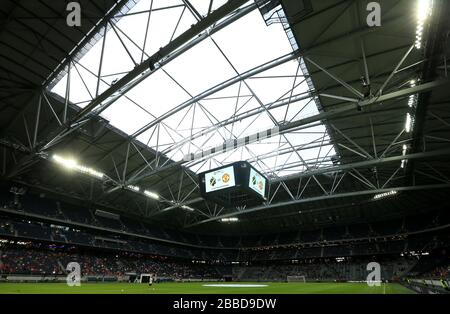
(199, 288)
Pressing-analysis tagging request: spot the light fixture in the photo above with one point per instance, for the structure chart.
(67, 163)
(412, 99)
(383, 195)
(423, 12)
(187, 208)
(230, 219)
(402, 165)
(408, 123)
(151, 194)
(134, 188)
(72, 164)
(90, 171)
(404, 150)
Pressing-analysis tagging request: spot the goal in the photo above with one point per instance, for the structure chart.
(295, 279)
(144, 278)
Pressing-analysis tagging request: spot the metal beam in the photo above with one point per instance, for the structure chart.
(187, 203)
(103, 21)
(366, 163)
(178, 42)
(327, 115)
(344, 108)
(340, 168)
(323, 198)
(219, 87)
(179, 45)
(436, 46)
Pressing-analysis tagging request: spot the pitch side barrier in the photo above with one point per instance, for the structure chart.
(32, 278)
(19, 278)
(428, 286)
(15, 278)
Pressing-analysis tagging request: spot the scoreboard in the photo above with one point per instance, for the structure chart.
(236, 184)
(219, 179)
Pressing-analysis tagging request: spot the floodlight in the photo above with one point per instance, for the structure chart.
(230, 219)
(187, 208)
(408, 123)
(151, 194)
(423, 12)
(384, 195)
(133, 188)
(68, 163)
(72, 164)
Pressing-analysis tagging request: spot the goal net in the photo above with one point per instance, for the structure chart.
(144, 278)
(295, 279)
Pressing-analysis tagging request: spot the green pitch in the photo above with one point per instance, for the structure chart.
(199, 288)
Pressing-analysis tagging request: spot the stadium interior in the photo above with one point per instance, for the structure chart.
(237, 141)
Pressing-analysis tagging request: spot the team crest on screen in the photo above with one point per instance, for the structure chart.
(225, 178)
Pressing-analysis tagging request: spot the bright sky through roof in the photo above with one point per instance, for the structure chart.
(243, 45)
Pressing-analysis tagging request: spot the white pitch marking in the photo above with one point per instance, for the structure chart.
(235, 285)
